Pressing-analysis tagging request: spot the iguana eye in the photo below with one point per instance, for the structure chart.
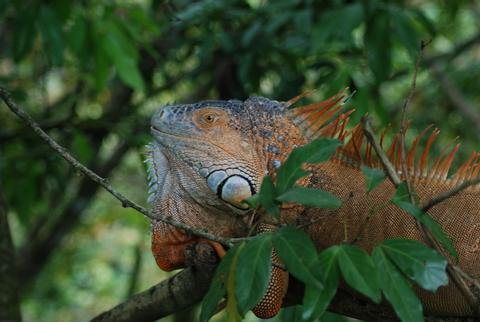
(208, 118)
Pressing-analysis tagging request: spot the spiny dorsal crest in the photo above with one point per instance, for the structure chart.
(326, 119)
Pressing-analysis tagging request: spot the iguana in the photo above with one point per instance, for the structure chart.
(206, 158)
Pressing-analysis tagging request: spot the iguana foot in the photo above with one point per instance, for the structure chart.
(169, 244)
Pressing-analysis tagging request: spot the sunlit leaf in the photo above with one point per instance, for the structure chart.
(217, 288)
(298, 254)
(315, 301)
(359, 271)
(253, 271)
(314, 152)
(397, 290)
(267, 195)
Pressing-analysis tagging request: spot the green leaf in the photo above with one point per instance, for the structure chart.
(217, 288)
(314, 152)
(291, 314)
(267, 195)
(420, 263)
(124, 55)
(82, 147)
(427, 24)
(253, 202)
(3, 7)
(405, 31)
(316, 302)
(250, 34)
(328, 28)
(373, 177)
(377, 44)
(77, 35)
(253, 270)
(401, 194)
(397, 290)
(401, 200)
(143, 19)
(25, 33)
(359, 271)
(310, 197)
(232, 308)
(52, 37)
(438, 232)
(129, 73)
(102, 65)
(429, 223)
(298, 253)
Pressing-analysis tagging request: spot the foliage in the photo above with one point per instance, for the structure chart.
(392, 264)
(92, 72)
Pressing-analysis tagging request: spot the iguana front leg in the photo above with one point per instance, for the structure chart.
(169, 244)
(168, 247)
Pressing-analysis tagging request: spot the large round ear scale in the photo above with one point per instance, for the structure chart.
(235, 189)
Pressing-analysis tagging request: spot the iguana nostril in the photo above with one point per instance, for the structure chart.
(160, 115)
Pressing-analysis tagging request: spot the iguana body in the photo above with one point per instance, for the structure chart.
(208, 157)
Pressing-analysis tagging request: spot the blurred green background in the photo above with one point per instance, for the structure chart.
(92, 72)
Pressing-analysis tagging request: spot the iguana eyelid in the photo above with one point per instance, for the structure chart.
(208, 118)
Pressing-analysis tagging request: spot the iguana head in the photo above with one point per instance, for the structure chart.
(217, 152)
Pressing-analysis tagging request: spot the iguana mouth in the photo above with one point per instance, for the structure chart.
(166, 134)
(156, 133)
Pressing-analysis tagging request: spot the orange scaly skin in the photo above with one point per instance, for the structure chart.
(209, 156)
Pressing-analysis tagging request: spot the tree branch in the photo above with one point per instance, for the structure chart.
(171, 295)
(448, 194)
(102, 181)
(456, 51)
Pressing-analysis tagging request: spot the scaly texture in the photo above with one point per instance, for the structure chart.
(208, 157)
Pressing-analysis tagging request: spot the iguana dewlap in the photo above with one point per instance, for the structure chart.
(207, 157)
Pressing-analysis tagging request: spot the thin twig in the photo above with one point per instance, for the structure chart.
(392, 174)
(452, 269)
(384, 161)
(448, 194)
(403, 126)
(102, 181)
